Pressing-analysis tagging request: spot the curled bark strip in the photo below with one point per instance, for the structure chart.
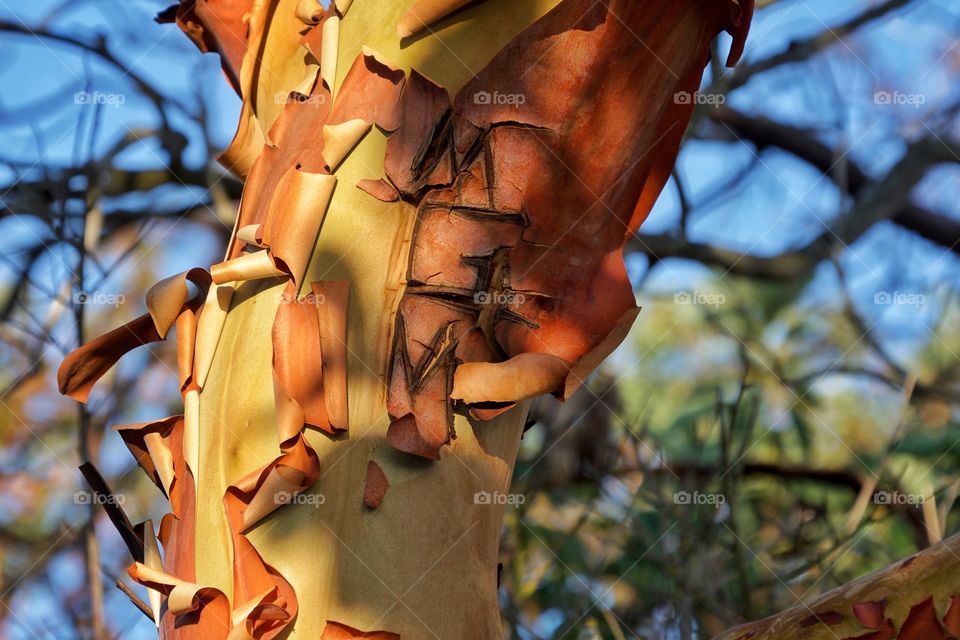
(375, 487)
(264, 491)
(380, 189)
(274, 64)
(218, 26)
(151, 446)
(162, 458)
(213, 315)
(527, 189)
(249, 266)
(166, 301)
(246, 502)
(177, 534)
(527, 375)
(295, 215)
(248, 141)
(189, 611)
(425, 12)
(252, 234)
(167, 298)
(296, 144)
(153, 560)
(312, 39)
(257, 610)
(331, 298)
(186, 342)
(191, 430)
(330, 46)
(226, 22)
(484, 411)
(339, 140)
(339, 631)
(309, 11)
(370, 92)
(209, 605)
(279, 64)
(298, 367)
(269, 602)
(82, 368)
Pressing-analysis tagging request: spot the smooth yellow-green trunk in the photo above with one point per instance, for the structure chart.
(424, 564)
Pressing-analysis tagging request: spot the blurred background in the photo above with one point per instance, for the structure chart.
(782, 419)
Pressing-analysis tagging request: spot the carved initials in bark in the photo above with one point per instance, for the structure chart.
(526, 194)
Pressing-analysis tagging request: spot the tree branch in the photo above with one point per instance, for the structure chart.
(766, 133)
(802, 50)
(902, 596)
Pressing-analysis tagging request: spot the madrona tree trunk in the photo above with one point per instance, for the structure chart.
(437, 197)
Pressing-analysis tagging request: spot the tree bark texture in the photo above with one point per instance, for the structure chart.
(437, 196)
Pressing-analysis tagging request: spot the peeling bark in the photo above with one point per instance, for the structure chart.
(501, 165)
